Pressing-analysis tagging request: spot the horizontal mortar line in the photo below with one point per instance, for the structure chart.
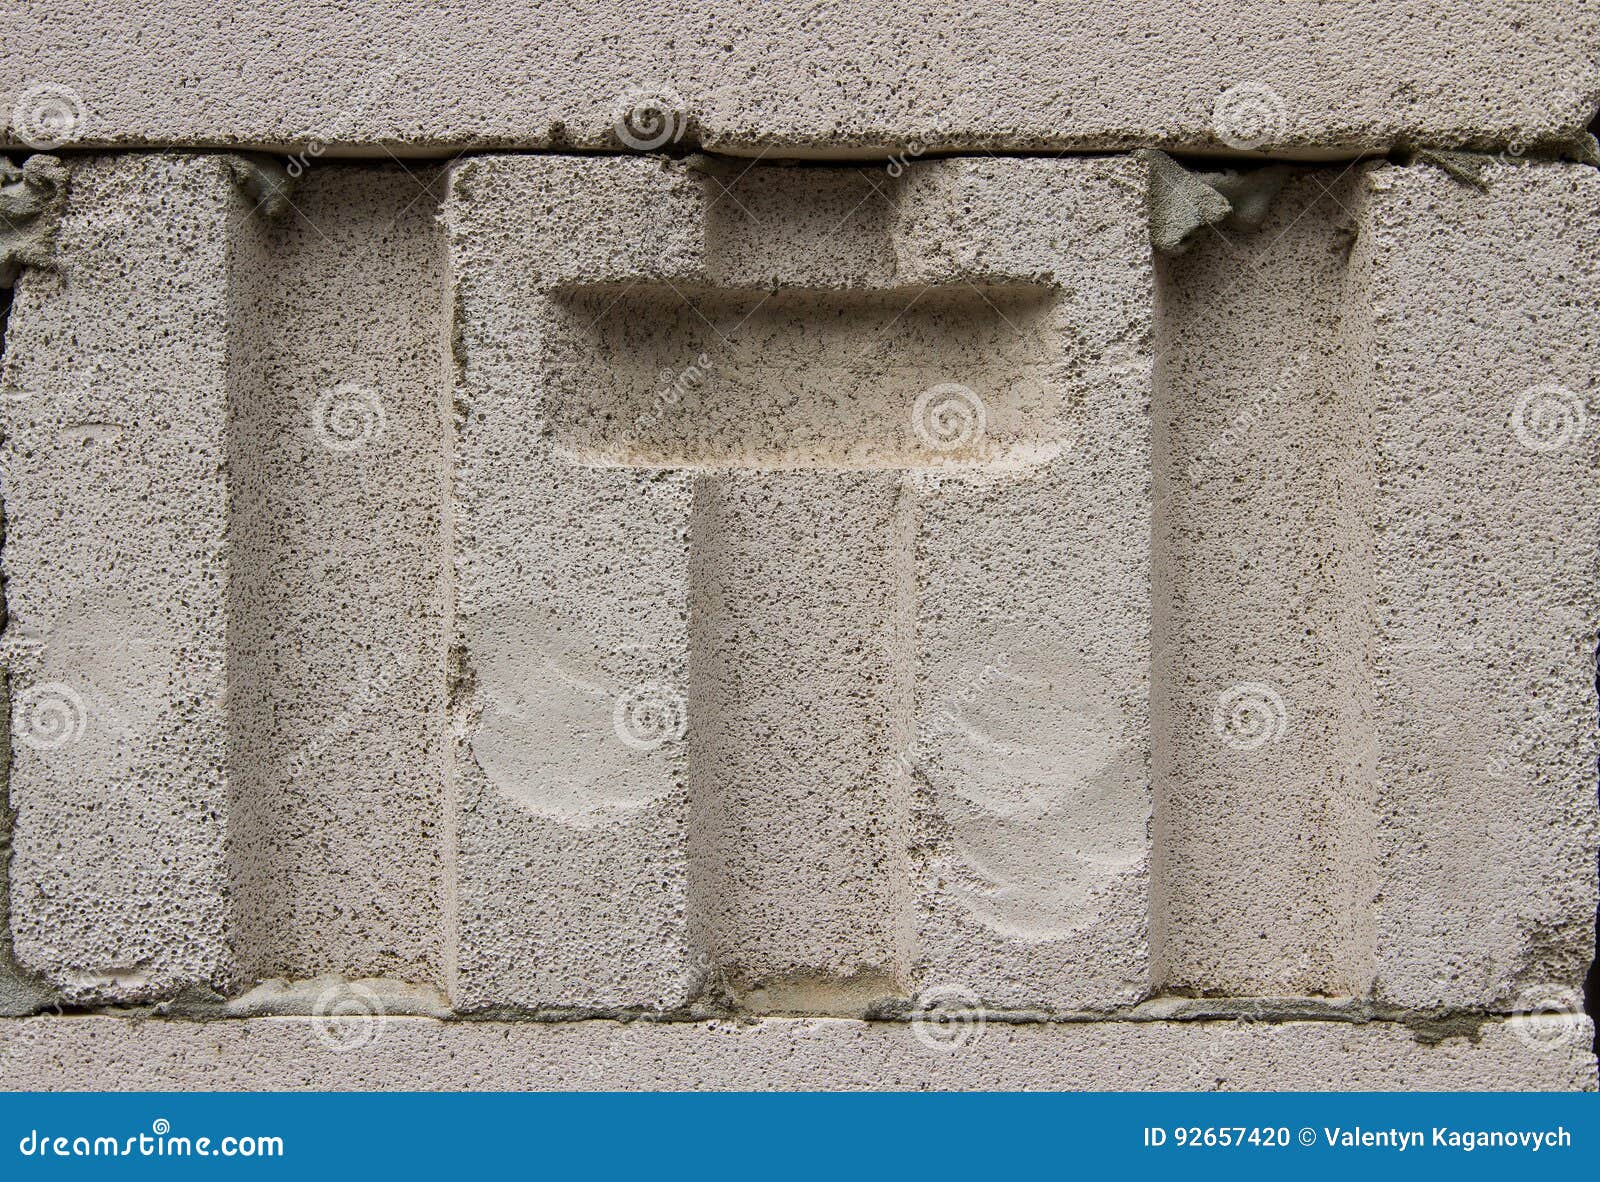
(364, 156)
(382, 151)
(1443, 1023)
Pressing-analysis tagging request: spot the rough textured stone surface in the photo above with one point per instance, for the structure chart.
(338, 579)
(117, 512)
(1484, 312)
(751, 75)
(227, 620)
(1261, 675)
(1376, 609)
(1030, 634)
(784, 529)
(799, 700)
(587, 584)
(826, 1054)
(31, 197)
(567, 798)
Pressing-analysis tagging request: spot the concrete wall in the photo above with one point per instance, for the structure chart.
(750, 76)
(882, 623)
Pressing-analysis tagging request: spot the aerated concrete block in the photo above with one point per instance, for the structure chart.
(758, 450)
(566, 801)
(116, 385)
(227, 630)
(1376, 607)
(885, 77)
(392, 1053)
(799, 844)
(1030, 756)
(1484, 313)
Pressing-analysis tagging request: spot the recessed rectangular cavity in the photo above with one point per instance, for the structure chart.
(799, 700)
(1262, 689)
(671, 376)
(337, 602)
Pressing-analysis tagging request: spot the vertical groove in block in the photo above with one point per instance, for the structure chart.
(1262, 564)
(1485, 314)
(798, 841)
(116, 399)
(336, 615)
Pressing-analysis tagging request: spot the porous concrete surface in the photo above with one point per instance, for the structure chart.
(752, 75)
(1262, 552)
(566, 806)
(117, 513)
(811, 1054)
(172, 545)
(1359, 518)
(799, 833)
(825, 633)
(337, 595)
(1484, 312)
(558, 586)
(1030, 756)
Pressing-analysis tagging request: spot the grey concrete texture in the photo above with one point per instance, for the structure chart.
(405, 1054)
(1484, 310)
(1375, 522)
(208, 650)
(1259, 609)
(549, 586)
(115, 458)
(338, 587)
(751, 76)
(807, 599)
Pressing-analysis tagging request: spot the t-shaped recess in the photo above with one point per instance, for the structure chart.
(801, 411)
(804, 632)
